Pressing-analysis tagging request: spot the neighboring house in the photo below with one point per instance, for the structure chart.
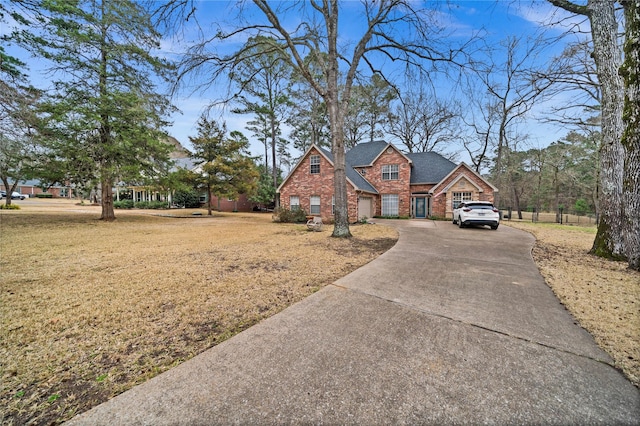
(383, 181)
(242, 204)
(33, 188)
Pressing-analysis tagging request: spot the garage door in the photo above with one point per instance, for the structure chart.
(365, 207)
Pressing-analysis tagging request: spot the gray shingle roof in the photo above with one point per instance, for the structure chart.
(352, 174)
(363, 154)
(429, 167)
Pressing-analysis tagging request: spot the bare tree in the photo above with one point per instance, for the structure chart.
(507, 91)
(574, 73)
(607, 53)
(308, 117)
(319, 31)
(424, 123)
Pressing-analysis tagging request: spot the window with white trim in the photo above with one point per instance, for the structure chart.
(390, 205)
(294, 202)
(459, 197)
(314, 162)
(314, 204)
(390, 172)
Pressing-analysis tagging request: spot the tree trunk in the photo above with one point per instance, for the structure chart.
(209, 200)
(516, 200)
(341, 215)
(337, 111)
(608, 57)
(609, 241)
(107, 199)
(105, 134)
(9, 190)
(631, 136)
(274, 163)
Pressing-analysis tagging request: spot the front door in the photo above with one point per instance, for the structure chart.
(421, 208)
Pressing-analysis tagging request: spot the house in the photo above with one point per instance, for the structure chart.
(383, 181)
(32, 188)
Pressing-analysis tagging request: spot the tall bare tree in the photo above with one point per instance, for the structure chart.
(574, 71)
(319, 30)
(506, 90)
(424, 123)
(607, 53)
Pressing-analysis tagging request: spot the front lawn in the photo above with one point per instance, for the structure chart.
(90, 309)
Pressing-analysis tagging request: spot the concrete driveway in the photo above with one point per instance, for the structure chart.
(449, 326)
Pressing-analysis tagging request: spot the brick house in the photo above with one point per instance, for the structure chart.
(383, 181)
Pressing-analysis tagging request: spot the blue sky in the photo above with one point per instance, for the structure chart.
(496, 19)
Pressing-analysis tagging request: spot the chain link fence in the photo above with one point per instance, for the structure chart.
(562, 217)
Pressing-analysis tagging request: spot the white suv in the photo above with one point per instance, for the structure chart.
(476, 213)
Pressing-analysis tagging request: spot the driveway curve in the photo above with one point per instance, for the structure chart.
(449, 326)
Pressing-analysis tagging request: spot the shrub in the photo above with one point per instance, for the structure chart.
(187, 199)
(153, 205)
(9, 207)
(123, 204)
(44, 195)
(157, 205)
(285, 215)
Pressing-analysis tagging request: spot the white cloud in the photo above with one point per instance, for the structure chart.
(547, 15)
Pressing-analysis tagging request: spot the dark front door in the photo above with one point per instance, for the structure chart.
(421, 208)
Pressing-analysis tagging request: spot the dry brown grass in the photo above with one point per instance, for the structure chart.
(604, 296)
(90, 309)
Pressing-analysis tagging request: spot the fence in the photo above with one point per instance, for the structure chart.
(551, 217)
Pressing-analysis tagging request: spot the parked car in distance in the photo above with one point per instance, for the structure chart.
(16, 195)
(3, 194)
(476, 213)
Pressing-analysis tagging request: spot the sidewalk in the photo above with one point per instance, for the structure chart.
(428, 333)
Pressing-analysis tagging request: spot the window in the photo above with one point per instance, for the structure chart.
(314, 161)
(459, 197)
(314, 202)
(390, 172)
(294, 202)
(390, 205)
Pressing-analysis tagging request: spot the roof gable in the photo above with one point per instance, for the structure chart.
(322, 152)
(455, 170)
(353, 177)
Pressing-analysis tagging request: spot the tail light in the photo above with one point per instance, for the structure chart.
(496, 210)
(466, 209)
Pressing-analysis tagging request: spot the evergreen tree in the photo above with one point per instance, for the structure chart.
(225, 168)
(105, 113)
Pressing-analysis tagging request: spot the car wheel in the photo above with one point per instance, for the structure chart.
(494, 227)
(460, 224)
(454, 221)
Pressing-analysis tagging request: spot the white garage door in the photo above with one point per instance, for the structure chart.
(365, 207)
